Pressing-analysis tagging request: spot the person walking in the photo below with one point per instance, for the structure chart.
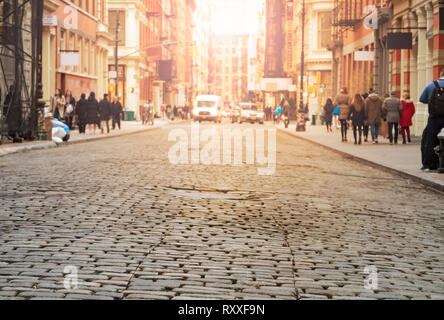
(373, 113)
(365, 126)
(93, 118)
(105, 113)
(343, 100)
(328, 114)
(432, 95)
(408, 110)
(278, 114)
(391, 109)
(70, 107)
(58, 103)
(357, 114)
(82, 113)
(116, 109)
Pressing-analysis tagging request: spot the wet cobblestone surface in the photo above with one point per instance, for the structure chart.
(137, 227)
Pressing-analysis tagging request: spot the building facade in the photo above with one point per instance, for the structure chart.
(364, 56)
(230, 67)
(201, 47)
(75, 47)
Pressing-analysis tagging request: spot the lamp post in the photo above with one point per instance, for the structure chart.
(301, 122)
(116, 53)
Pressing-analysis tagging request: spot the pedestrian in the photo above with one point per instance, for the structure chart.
(408, 110)
(82, 113)
(328, 114)
(162, 111)
(175, 112)
(373, 113)
(105, 113)
(117, 110)
(69, 109)
(278, 114)
(8, 100)
(93, 113)
(343, 100)
(58, 103)
(365, 126)
(391, 109)
(357, 114)
(433, 96)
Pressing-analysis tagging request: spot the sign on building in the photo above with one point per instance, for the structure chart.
(364, 56)
(399, 40)
(70, 59)
(49, 20)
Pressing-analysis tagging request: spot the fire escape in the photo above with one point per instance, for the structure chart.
(20, 70)
(346, 15)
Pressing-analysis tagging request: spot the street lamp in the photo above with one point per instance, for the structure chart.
(301, 122)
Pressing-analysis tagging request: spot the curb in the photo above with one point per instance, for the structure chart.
(430, 184)
(50, 144)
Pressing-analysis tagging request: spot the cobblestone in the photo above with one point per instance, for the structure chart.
(136, 227)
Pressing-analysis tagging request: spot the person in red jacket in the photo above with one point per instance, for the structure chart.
(408, 110)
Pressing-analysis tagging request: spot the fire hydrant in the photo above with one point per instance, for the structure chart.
(440, 151)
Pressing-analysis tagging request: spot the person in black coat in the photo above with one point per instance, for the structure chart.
(105, 113)
(117, 109)
(328, 113)
(82, 113)
(93, 112)
(357, 114)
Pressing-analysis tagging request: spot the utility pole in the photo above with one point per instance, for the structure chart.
(301, 122)
(116, 53)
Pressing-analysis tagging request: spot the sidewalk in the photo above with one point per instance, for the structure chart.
(127, 127)
(403, 159)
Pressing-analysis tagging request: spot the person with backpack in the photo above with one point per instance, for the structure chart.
(433, 95)
(343, 100)
(373, 113)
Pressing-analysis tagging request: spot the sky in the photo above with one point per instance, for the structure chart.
(235, 16)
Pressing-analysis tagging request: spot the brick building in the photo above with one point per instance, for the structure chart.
(75, 47)
(229, 69)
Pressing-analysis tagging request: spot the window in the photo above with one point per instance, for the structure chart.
(324, 29)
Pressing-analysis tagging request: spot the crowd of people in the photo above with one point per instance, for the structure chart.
(366, 112)
(86, 112)
(170, 113)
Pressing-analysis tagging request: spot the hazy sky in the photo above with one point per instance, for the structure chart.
(235, 16)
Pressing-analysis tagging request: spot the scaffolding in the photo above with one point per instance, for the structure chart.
(20, 70)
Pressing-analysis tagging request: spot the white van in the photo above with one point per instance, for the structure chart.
(208, 108)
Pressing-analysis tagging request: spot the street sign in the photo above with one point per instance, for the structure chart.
(112, 74)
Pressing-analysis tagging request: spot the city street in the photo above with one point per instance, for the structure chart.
(118, 217)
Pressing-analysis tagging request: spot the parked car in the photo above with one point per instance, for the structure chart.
(251, 113)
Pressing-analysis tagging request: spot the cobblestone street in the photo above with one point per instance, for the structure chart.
(137, 227)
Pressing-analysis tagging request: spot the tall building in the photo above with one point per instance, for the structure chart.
(75, 47)
(201, 41)
(229, 68)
